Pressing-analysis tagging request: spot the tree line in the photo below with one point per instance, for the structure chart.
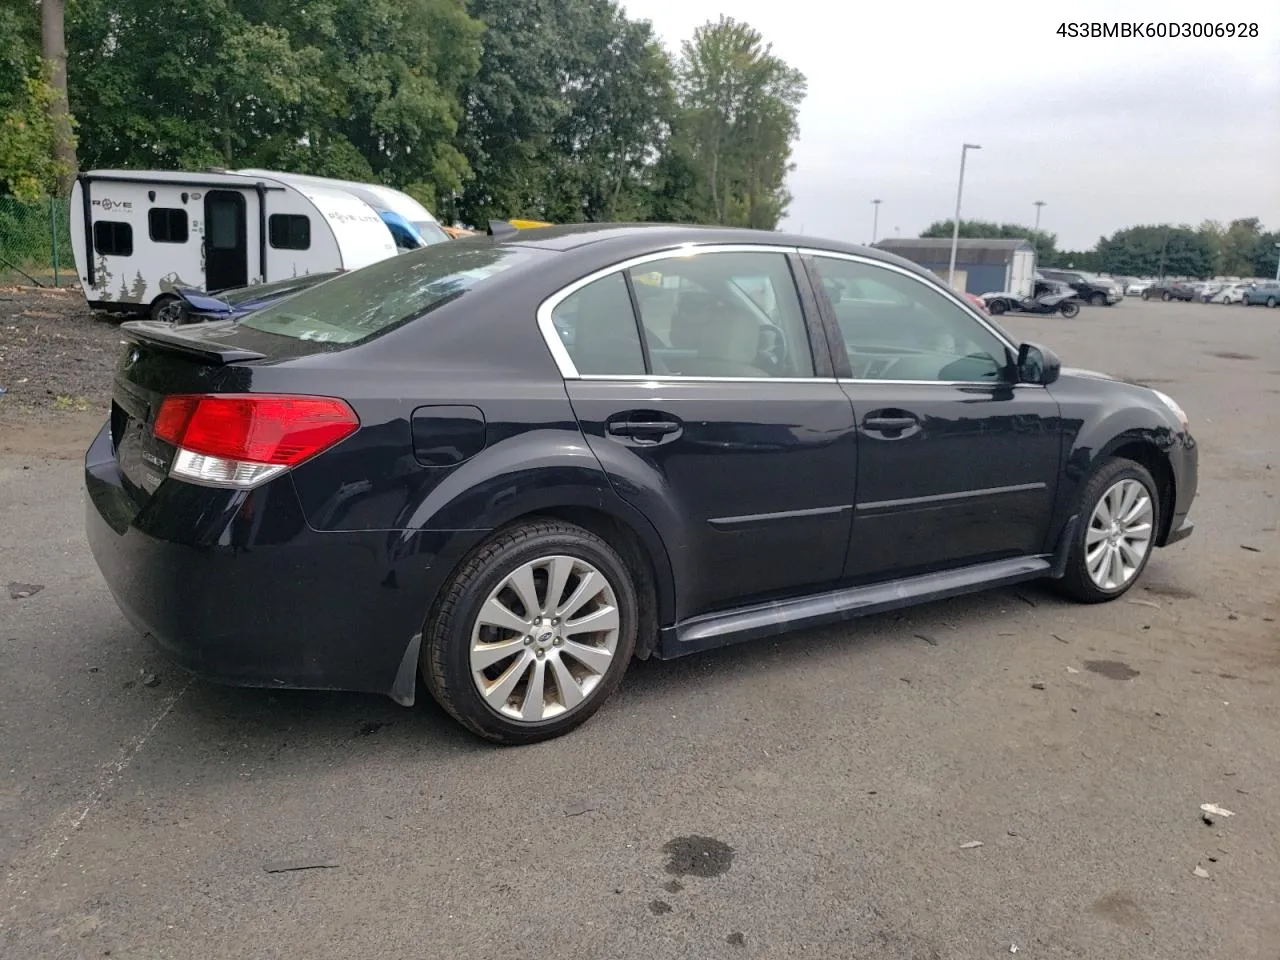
(1241, 248)
(562, 110)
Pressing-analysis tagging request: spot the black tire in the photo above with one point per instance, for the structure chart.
(1076, 583)
(997, 307)
(445, 664)
(1098, 300)
(1145, 295)
(1166, 296)
(167, 308)
(1069, 310)
(1271, 301)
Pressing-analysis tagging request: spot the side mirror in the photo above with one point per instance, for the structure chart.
(1037, 364)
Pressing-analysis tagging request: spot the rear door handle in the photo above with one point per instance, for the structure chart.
(642, 428)
(887, 424)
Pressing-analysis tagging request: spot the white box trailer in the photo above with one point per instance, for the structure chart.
(137, 234)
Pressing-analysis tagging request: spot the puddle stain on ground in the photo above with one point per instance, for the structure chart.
(659, 907)
(1120, 909)
(1232, 355)
(1111, 669)
(673, 886)
(697, 856)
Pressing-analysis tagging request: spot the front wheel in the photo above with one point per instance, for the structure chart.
(1098, 300)
(1120, 514)
(1069, 310)
(1271, 301)
(997, 307)
(1145, 296)
(532, 634)
(1166, 296)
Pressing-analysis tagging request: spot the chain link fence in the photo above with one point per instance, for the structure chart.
(35, 243)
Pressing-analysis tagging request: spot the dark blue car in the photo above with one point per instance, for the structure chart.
(196, 306)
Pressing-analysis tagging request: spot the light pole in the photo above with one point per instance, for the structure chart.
(875, 219)
(1039, 204)
(955, 227)
(1278, 261)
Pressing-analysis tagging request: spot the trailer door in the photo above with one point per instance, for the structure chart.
(226, 241)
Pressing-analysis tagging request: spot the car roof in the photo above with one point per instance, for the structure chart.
(634, 239)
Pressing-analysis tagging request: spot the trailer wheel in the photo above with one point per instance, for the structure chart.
(166, 308)
(997, 307)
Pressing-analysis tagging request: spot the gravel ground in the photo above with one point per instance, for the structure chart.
(55, 354)
(817, 796)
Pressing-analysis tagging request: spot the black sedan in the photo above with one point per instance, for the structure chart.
(511, 464)
(1167, 290)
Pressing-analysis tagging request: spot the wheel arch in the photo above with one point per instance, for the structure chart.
(1148, 454)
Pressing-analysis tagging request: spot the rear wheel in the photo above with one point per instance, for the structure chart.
(1166, 296)
(1145, 295)
(997, 307)
(1069, 309)
(533, 633)
(1119, 517)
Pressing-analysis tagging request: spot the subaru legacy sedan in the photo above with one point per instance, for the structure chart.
(509, 465)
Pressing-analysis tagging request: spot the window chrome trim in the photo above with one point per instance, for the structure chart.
(937, 287)
(672, 379)
(564, 362)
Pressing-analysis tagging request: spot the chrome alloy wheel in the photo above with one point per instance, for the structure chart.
(1119, 534)
(544, 639)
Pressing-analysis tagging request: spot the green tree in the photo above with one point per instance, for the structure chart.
(1264, 256)
(1161, 250)
(29, 168)
(738, 121)
(1047, 254)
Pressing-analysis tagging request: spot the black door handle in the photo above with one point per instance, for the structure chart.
(642, 428)
(889, 423)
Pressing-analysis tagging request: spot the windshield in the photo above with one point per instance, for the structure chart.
(431, 231)
(381, 296)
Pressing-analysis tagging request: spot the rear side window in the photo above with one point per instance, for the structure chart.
(113, 238)
(364, 303)
(167, 225)
(289, 231)
(598, 328)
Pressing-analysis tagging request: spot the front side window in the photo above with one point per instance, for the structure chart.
(896, 327)
(167, 224)
(722, 315)
(113, 238)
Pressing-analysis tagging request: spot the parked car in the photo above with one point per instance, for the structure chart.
(412, 470)
(978, 303)
(1135, 288)
(1231, 293)
(1092, 290)
(1207, 291)
(1266, 293)
(1167, 290)
(196, 306)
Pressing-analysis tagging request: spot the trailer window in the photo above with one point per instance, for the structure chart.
(167, 224)
(289, 231)
(113, 238)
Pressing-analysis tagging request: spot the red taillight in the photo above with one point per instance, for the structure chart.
(254, 428)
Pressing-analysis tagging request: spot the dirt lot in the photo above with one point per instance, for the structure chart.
(816, 796)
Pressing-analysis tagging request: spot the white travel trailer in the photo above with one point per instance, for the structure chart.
(384, 199)
(137, 234)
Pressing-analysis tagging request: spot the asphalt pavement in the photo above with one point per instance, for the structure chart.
(949, 782)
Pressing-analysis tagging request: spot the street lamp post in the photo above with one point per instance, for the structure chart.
(1278, 261)
(955, 227)
(1039, 204)
(875, 219)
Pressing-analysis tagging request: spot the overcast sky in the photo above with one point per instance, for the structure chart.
(1109, 133)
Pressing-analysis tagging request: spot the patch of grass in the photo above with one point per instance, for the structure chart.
(64, 402)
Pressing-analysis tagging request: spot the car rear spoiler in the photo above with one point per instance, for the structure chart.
(193, 340)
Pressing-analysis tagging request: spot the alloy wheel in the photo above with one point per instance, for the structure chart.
(544, 639)
(1119, 535)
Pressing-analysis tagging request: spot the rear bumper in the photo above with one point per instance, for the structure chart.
(237, 588)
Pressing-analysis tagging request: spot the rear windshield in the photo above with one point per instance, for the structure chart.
(275, 288)
(375, 299)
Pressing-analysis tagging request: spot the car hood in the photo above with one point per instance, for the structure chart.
(1088, 374)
